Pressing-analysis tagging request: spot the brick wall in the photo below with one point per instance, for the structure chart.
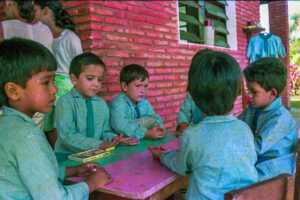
(278, 17)
(146, 33)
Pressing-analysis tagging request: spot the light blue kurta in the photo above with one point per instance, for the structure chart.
(71, 121)
(219, 155)
(275, 139)
(123, 113)
(28, 167)
(189, 112)
(261, 46)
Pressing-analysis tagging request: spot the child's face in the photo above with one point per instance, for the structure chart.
(40, 14)
(39, 94)
(259, 97)
(89, 81)
(136, 90)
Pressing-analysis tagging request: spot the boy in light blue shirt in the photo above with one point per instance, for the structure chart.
(82, 117)
(218, 153)
(273, 126)
(28, 167)
(130, 112)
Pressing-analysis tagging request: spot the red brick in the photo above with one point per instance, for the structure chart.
(114, 88)
(163, 84)
(110, 80)
(116, 38)
(169, 125)
(141, 25)
(161, 29)
(173, 104)
(181, 83)
(118, 54)
(163, 56)
(152, 6)
(179, 57)
(132, 31)
(143, 11)
(172, 117)
(144, 55)
(115, 4)
(172, 37)
(161, 15)
(164, 112)
(179, 96)
(157, 49)
(138, 47)
(154, 21)
(154, 92)
(116, 21)
(155, 35)
(179, 70)
(171, 63)
(110, 63)
(161, 42)
(71, 4)
(153, 63)
(159, 106)
(143, 40)
(171, 77)
(135, 17)
(163, 71)
(170, 11)
(155, 78)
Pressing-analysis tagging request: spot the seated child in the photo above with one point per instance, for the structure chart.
(274, 129)
(130, 108)
(82, 117)
(189, 112)
(28, 166)
(218, 153)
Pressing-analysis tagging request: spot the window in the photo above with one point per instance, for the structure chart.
(192, 17)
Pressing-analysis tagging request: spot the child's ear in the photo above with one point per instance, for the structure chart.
(74, 79)
(124, 86)
(13, 91)
(273, 93)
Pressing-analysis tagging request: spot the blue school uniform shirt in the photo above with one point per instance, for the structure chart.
(189, 112)
(123, 113)
(219, 155)
(262, 45)
(28, 167)
(275, 139)
(71, 120)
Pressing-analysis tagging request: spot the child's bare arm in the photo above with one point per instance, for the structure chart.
(82, 170)
(126, 141)
(156, 153)
(181, 128)
(98, 179)
(155, 133)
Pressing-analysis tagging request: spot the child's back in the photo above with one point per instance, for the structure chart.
(218, 153)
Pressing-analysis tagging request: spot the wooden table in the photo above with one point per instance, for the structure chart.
(136, 174)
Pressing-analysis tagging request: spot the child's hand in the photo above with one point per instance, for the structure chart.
(155, 133)
(105, 145)
(86, 169)
(181, 128)
(156, 152)
(127, 141)
(98, 179)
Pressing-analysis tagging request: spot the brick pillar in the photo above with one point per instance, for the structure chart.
(279, 25)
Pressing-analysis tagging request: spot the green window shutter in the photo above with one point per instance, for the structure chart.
(215, 10)
(191, 37)
(189, 19)
(220, 27)
(221, 41)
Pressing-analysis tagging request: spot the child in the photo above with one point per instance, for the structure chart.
(82, 118)
(189, 112)
(273, 127)
(218, 153)
(66, 46)
(130, 107)
(22, 24)
(28, 166)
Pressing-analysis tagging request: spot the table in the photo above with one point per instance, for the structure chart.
(136, 174)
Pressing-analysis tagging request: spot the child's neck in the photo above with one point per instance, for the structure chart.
(56, 30)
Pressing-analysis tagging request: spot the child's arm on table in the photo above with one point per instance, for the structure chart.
(181, 128)
(96, 176)
(120, 122)
(155, 133)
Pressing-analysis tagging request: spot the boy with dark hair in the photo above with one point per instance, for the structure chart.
(82, 117)
(273, 126)
(28, 166)
(131, 113)
(218, 153)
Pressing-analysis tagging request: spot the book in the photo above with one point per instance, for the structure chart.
(89, 155)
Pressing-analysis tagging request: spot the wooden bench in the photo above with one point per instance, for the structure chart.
(280, 187)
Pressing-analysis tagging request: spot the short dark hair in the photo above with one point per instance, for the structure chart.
(214, 82)
(132, 72)
(80, 61)
(20, 59)
(268, 73)
(26, 9)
